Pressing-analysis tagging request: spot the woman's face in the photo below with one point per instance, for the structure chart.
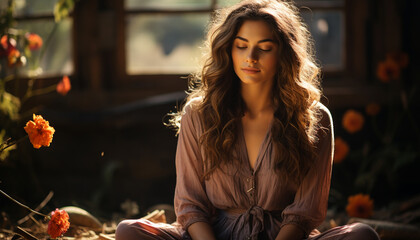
(255, 53)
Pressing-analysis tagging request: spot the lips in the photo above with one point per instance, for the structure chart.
(250, 70)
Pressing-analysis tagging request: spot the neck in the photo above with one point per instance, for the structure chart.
(257, 99)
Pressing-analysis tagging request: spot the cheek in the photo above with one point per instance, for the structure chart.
(235, 57)
(271, 64)
(236, 60)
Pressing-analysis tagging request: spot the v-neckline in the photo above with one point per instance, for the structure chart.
(261, 150)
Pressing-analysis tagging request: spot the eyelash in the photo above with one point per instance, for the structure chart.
(264, 50)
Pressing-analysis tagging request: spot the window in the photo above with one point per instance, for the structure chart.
(55, 56)
(163, 37)
(326, 22)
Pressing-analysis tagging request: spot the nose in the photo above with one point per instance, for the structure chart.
(252, 56)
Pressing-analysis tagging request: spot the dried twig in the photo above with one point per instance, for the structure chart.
(8, 143)
(25, 234)
(38, 208)
(22, 205)
(106, 236)
(157, 216)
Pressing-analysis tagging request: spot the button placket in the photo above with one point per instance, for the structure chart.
(251, 188)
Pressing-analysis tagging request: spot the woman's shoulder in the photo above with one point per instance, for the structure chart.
(325, 115)
(191, 112)
(192, 105)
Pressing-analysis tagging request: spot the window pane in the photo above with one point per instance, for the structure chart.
(327, 29)
(57, 58)
(30, 7)
(164, 43)
(166, 4)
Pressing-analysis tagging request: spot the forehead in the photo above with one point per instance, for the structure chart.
(255, 30)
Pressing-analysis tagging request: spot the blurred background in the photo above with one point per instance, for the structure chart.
(127, 62)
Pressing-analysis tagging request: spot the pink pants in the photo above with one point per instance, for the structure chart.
(141, 229)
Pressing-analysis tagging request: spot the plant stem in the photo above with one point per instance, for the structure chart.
(22, 205)
(40, 206)
(39, 91)
(11, 144)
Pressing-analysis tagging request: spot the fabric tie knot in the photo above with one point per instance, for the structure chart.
(251, 221)
(255, 217)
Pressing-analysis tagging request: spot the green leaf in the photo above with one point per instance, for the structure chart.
(62, 9)
(5, 153)
(9, 105)
(28, 52)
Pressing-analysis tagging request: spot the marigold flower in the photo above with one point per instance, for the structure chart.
(372, 109)
(64, 86)
(13, 58)
(353, 121)
(360, 205)
(388, 70)
(39, 131)
(3, 42)
(400, 58)
(59, 223)
(34, 41)
(7, 45)
(341, 150)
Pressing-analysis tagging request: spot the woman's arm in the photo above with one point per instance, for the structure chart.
(191, 203)
(309, 207)
(201, 231)
(290, 232)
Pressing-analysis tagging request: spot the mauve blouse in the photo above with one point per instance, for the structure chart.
(244, 203)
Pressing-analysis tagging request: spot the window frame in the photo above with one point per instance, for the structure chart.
(147, 82)
(336, 6)
(172, 81)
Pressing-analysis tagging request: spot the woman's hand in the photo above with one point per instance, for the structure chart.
(290, 232)
(201, 231)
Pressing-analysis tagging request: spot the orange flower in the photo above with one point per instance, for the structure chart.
(372, 109)
(400, 58)
(39, 131)
(7, 45)
(353, 121)
(34, 41)
(64, 86)
(4, 42)
(59, 223)
(13, 58)
(360, 205)
(388, 70)
(341, 150)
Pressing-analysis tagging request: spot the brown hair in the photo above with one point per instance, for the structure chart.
(296, 89)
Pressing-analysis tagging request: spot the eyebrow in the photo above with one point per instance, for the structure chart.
(260, 41)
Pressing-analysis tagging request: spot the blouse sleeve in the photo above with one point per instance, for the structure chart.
(310, 204)
(191, 202)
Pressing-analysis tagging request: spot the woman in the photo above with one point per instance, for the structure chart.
(255, 144)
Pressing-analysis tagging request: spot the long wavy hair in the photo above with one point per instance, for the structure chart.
(296, 89)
